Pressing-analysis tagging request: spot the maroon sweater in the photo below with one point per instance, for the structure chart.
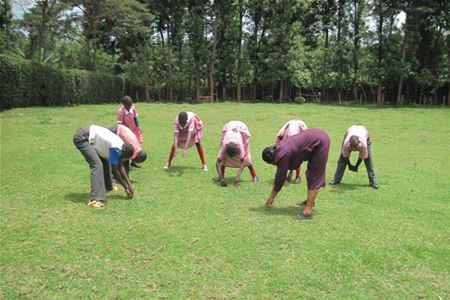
(311, 145)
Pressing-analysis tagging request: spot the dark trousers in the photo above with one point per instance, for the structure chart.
(101, 180)
(341, 165)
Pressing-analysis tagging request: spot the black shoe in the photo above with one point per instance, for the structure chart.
(334, 182)
(374, 185)
(135, 164)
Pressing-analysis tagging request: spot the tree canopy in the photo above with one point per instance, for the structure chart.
(364, 51)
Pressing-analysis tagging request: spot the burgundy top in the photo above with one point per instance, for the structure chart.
(312, 145)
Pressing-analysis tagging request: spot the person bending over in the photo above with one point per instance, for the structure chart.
(291, 128)
(356, 139)
(312, 146)
(103, 151)
(187, 132)
(234, 151)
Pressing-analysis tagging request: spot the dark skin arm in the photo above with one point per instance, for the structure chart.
(121, 176)
(355, 168)
(238, 175)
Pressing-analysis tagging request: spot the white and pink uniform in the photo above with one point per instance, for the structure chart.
(235, 132)
(194, 125)
(291, 128)
(363, 134)
(129, 118)
(128, 136)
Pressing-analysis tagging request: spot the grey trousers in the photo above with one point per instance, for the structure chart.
(341, 165)
(101, 180)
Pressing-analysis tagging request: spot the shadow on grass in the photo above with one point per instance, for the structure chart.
(277, 211)
(341, 187)
(84, 197)
(178, 171)
(230, 181)
(77, 197)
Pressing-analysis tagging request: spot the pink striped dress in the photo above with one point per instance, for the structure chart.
(289, 129)
(128, 136)
(194, 125)
(129, 119)
(235, 132)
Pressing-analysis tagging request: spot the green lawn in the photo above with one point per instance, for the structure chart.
(184, 236)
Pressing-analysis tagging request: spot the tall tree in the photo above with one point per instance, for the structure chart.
(128, 24)
(40, 21)
(5, 26)
(196, 31)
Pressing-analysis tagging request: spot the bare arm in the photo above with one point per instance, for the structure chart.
(188, 140)
(175, 143)
(122, 177)
(271, 199)
(238, 175)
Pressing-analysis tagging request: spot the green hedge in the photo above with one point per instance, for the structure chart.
(25, 83)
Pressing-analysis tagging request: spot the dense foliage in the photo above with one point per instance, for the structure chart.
(366, 51)
(25, 83)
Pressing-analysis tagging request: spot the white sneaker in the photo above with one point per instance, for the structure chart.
(166, 166)
(205, 168)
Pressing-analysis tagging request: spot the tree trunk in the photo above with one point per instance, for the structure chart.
(197, 81)
(170, 69)
(254, 92)
(145, 66)
(357, 18)
(239, 61)
(448, 64)
(213, 53)
(403, 53)
(341, 5)
(280, 97)
(380, 55)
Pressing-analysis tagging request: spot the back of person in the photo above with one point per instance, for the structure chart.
(104, 141)
(291, 128)
(129, 137)
(301, 145)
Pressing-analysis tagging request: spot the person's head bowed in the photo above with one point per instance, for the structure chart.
(268, 154)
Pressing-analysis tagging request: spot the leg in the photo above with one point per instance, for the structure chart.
(253, 173)
(107, 174)
(369, 166)
(81, 141)
(222, 170)
(169, 161)
(202, 155)
(297, 179)
(312, 194)
(340, 170)
(288, 178)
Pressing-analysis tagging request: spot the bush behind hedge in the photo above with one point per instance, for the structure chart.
(26, 83)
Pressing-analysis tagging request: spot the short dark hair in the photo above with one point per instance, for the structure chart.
(182, 117)
(141, 157)
(127, 150)
(231, 149)
(268, 154)
(127, 99)
(354, 141)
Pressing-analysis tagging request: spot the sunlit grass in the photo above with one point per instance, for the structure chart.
(184, 236)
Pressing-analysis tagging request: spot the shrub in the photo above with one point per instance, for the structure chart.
(299, 100)
(25, 83)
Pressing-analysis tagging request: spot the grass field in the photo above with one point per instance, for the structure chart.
(184, 236)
